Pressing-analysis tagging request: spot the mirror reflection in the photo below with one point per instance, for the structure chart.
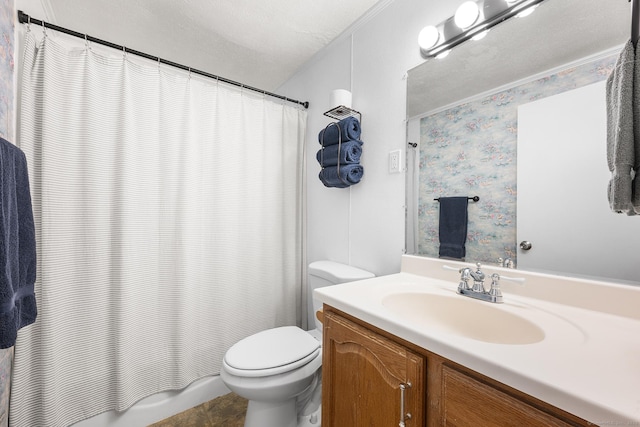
(464, 135)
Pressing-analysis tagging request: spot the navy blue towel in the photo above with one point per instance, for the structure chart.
(453, 227)
(347, 129)
(17, 245)
(350, 152)
(348, 175)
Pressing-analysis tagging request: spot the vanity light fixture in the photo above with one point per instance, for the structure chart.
(472, 20)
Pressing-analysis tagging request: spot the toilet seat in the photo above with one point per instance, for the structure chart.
(271, 352)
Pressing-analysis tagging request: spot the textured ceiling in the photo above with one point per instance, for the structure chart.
(257, 42)
(558, 32)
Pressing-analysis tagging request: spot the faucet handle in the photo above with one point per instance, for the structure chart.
(478, 274)
(465, 274)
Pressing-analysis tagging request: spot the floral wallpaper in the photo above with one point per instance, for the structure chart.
(470, 150)
(7, 17)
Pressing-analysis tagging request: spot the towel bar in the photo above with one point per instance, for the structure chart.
(474, 198)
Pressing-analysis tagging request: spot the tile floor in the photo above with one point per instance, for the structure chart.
(224, 411)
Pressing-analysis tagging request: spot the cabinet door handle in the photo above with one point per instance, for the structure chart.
(403, 416)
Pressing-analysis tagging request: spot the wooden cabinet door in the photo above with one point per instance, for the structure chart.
(362, 377)
(469, 402)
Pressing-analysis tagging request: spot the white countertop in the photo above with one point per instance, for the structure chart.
(588, 363)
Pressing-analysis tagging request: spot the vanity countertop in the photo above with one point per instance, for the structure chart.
(588, 362)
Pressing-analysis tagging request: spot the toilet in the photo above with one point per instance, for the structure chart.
(279, 370)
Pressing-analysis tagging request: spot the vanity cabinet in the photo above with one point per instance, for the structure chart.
(368, 379)
(363, 368)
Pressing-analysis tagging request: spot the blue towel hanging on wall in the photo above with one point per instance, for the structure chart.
(453, 227)
(340, 154)
(17, 245)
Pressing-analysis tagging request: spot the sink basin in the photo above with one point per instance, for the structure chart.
(465, 317)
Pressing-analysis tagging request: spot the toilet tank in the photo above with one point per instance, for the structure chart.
(327, 273)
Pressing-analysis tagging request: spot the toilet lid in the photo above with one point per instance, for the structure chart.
(273, 348)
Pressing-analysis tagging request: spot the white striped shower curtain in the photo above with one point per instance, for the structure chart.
(169, 225)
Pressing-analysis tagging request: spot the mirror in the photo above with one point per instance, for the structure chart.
(463, 119)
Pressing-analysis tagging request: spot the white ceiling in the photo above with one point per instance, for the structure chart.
(256, 42)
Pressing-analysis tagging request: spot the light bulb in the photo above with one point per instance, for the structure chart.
(428, 37)
(467, 14)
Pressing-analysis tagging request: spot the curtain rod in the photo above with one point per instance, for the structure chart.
(23, 18)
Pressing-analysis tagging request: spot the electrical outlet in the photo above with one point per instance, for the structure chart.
(395, 161)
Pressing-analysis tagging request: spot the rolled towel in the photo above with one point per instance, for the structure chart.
(347, 129)
(349, 175)
(350, 153)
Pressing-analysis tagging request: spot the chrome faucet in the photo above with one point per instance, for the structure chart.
(478, 279)
(478, 291)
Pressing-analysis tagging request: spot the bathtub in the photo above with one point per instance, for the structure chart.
(161, 405)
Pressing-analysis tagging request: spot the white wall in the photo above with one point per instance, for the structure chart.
(364, 224)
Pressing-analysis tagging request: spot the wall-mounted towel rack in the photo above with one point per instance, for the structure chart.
(474, 198)
(341, 112)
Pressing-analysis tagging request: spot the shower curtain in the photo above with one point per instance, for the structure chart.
(169, 226)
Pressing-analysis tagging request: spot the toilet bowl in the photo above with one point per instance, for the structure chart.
(288, 365)
(279, 370)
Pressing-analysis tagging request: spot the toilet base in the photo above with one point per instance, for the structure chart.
(268, 414)
(262, 414)
(312, 420)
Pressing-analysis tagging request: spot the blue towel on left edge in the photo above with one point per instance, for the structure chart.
(17, 245)
(453, 227)
(349, 175)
